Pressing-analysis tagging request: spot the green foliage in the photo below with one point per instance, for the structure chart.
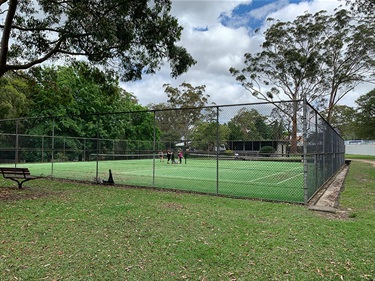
(204, 136)
(133, 36)
(178, 124)
(356, 123)
(229, 152)
(343, 118)
(308, 58)
(364, 8)
(76, 94)
(249, 125)
(266, 150)
(366, 116)
(13, 91)
(78, 98)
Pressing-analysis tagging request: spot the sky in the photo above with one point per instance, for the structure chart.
(217, 34)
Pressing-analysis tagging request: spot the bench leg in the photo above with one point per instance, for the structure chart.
(19, 182)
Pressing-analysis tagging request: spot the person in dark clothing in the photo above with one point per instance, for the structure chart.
(169, 154)
(172, 158)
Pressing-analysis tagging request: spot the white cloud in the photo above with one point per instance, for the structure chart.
(290, 12)
(219, 48)
(263, 12)
(202, 13)
(362, 89)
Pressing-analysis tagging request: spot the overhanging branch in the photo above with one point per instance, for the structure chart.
(38, 61)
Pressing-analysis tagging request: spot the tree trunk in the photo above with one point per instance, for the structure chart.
(293, 145)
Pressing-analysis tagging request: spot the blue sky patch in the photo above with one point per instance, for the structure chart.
(201, 29)
(246, 15)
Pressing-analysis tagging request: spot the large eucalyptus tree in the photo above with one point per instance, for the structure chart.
(319, 57)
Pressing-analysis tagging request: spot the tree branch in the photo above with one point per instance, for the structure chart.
(38, 61)
(6, 34)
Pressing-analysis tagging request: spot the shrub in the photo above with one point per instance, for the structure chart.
(266, 151)
(229, 152)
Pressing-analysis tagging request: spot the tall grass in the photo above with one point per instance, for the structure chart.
(57, 230)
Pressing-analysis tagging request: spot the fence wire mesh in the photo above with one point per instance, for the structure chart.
(282, 151)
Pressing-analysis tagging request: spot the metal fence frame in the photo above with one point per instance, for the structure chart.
(323, 149)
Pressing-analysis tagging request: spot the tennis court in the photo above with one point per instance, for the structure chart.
(271, 180)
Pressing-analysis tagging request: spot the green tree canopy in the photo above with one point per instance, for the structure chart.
(366, 116)
(344, 119)
(13, 93)
(184, 109)
(134, 36)
(77, 94)
(205, 135)
(365, 8)
(249, 125)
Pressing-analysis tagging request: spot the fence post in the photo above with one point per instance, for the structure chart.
(217, 150)
(305, 167)
(53, 146)
(42, 156)
(17, 143)
(317, 155)
(154, 149)
(97, 147)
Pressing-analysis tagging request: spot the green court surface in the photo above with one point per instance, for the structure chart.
(270, 180)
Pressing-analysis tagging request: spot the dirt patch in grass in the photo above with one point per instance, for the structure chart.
(173, 206)
(15, 194)
(340, 214)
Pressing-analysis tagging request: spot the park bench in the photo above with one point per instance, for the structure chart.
(19, 175)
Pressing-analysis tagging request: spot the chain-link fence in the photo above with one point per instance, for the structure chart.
(324, 152)
(282, 151)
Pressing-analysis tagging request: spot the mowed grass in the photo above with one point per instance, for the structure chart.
(55, 230)
(280, 181)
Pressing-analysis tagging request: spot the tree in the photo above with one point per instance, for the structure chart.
(13, 104)
(343, 118)
(366, 116)
(205, 135)
(365, 8)
(85, 104)
(249, 125)
(278, 130)
(77, 95)
(13, 96)
(134, 36)
(308, 58)
(349, 56)
(184, 109)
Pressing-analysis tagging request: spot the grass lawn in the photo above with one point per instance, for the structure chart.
(55, 230)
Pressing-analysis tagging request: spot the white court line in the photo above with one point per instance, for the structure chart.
(274, 174)
(290, 178)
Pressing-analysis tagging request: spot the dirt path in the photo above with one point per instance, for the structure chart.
(365, 161)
